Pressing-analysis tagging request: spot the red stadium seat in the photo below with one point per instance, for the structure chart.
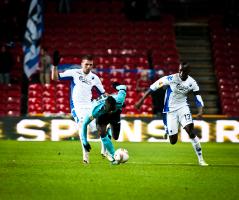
(121, 45)
(35, 108)
(49, 108)
(62, 109)
(36, 87)
(48, 100)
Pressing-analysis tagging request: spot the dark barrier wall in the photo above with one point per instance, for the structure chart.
(133, 129)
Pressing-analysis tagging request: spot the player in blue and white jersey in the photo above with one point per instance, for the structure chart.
(176, 107)
(82, 82)
(106, 110)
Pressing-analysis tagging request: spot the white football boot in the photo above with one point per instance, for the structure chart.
(202, 163)
(115, 162)
(108, 156)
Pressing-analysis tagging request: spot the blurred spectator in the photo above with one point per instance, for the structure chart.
(150, 58)
(21, 13)
(153, 12)
(13, 18)
(64, 6)
(35, 78)
(56, 57)
(151, 65)
(6, 64)
(231, 17)
(5, 20)
(158, 96)
(143, 82)
(135, 9)
(45, 66)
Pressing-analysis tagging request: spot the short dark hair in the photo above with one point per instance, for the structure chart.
(112, 102)
(87, 57)
(44, 48)
(184, 64)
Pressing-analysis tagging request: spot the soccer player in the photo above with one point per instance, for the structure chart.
(176, 106)
(82, 82)
(106, 110)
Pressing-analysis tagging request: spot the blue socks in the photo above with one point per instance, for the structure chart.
(108, 145)
(109, 133)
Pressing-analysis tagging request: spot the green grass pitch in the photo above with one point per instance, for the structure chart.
(54, 170)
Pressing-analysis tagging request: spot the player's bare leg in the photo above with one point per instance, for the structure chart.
(115, 127)
(173, 139)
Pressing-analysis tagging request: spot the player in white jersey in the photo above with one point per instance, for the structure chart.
(82, 82)
(176, 107)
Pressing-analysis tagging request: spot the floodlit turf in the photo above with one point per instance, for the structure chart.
(54, 170)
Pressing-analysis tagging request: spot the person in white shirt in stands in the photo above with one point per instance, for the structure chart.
(176, 106)
(82, 82)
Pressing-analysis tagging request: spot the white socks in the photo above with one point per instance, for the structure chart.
(102, 147)
(197, 148)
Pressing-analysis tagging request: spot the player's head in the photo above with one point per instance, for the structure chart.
(110, 104)
(184, 69)
(43, 50)
(87, 63)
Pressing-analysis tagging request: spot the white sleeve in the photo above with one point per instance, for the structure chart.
(99, 85)
(198, 98)
(159, 83)
(195, 87)
(66, 73)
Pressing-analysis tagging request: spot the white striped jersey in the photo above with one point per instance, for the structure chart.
(81, 86)
(177, 90)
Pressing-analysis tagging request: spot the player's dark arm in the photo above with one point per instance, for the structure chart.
(54, 71)
(199, 103)
(141, 100)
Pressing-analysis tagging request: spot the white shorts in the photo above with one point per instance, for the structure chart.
(79, 115)
(182, 117)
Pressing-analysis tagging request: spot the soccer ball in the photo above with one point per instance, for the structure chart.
(121, 155)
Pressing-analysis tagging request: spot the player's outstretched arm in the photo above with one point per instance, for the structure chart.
(56, 60)
(140, 102)
(156, 85)
(54, 73)
(199, 103)
(200, 112)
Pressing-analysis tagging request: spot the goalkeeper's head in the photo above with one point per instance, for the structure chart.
(110, 104)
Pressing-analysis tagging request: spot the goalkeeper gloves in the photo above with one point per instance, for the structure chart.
(87, 147)
(115, 84)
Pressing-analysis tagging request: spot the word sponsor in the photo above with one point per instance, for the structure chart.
(132, 129)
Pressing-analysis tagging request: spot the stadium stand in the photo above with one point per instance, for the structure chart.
(193, 43)
(117, 46)
(225, 46)
(121, 51)
(10, 96)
